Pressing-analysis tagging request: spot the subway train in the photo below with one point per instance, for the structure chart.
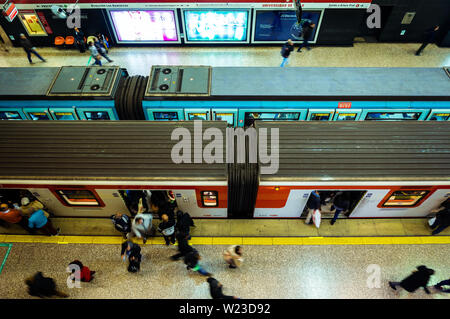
(87, 169)
(238, 95)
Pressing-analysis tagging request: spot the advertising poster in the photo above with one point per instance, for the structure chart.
(280, 25)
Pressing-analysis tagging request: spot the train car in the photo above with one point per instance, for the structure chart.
(81, 168)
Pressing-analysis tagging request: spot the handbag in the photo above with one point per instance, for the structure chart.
(431, 221)
(317, 218)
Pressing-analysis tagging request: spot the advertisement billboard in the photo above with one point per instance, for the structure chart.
(280, 25)
(145, 26)
(216, 25)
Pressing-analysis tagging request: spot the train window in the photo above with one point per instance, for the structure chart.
(405, 198)
(197, 116)
(346, 116)
(37, 116)
(9, 115)
(392, 116)
(165, 116)
(440, 117)
(229, 117)
(93, 116)
(272, 116)
(77, 197)
(320, 116)
(64, 116)
(209, 198)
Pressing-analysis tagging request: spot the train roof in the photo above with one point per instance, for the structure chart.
(361, 151)
(26, 81)
(310, 83)
(99, 151)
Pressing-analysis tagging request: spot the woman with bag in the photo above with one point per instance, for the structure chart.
(313, 205)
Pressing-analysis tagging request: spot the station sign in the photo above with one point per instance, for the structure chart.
(10, 11)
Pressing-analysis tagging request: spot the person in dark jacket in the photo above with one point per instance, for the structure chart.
(215, 289)
(28, 47)
(41, 286)
(312, 204)
(122, 223)
(439, 285)
(79, 40)
(133, 251)
(341, 203)
(414, 281)
(442, 221)
(183, 246)
(307, 28)
(184, 223)
(286, 50)
(167, 228)
(84, 274)
(192, 259)
(429, 37)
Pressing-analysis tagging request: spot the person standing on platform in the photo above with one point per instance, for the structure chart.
(167, 228)
(29, 207)
(141, 227)
(28, 47)
(122, 223)
(184, 223)
(13, 216)
(442, 220)
(429, 37)
(79, 40)
(233, 256)
(133, 252)
(312, 204)
(101, 50)
(306, 34)
(39, 220)
(95, 54)
(414, 281)
(215, 289)
(341, 203)
(286, 50)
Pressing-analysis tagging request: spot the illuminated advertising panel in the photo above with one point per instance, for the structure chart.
(216, 25)
(280, 25)
(144, 26)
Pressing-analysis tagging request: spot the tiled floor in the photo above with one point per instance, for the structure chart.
(268, 271)
(138, 61)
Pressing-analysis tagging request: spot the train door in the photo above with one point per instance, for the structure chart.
(320, 114)
(12, 114)
(94, 114)
(394, 115)
(439, 115)
(229, 115)
(347, 115)
(64, 114)
(37, 114)
(203, 114)
(165, 114)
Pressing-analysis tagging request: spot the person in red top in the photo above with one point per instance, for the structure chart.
(85, 275)
(13, 216)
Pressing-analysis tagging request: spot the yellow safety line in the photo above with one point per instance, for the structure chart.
(307, 241)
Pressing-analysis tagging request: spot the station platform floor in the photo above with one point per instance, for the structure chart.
(138, 60)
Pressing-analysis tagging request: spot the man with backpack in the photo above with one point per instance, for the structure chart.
(286, 50)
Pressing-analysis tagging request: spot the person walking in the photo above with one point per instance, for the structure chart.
(141, 227)
(192, 259)
(439, 285)
(184, 223)
(215, 289)
(13, 216)
(101, 50)
(307, 28)
(41, 286)
(83, 274)
(414, 281)
(286, 50)
(167, 228)
(122, 223)
(312, 204)
(133, 252)
(28, 47)
(39, 220)
(95, 54)
(341, 203)
(79, 40)
(233, 256)
(183, 246)
(429, 37)
(442, 220)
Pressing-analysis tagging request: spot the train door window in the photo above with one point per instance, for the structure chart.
(439, 117)
(64, 116)
(100, 115)
(272, 116)
(10, 115)
(209, 198)
(346, 116)
(37, 116)
(78, 197)
(392, 116)
(197, 116)
(320, 117)
(405, 198)
(165, 116)
(229, 117)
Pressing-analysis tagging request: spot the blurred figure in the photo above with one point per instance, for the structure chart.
(102, 40)
(215, 289)
(439, 285)
(13, 216)
(141, 227)
(28, 47)
(101, 49)
(95, 54)
(28, 207)
(3, 45)
(233, 256)
(79, 40)
(312, 204)
(41, 286)
(184, 223)
(307, 28)
(286, 50)
(167, 228)
(441, 221)
(84, 274)
(39, 220)
(341, 203)
(429, 37)
(183, 246)
(192, 259)
(133, 252)
(122, 223)
(414, 281)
